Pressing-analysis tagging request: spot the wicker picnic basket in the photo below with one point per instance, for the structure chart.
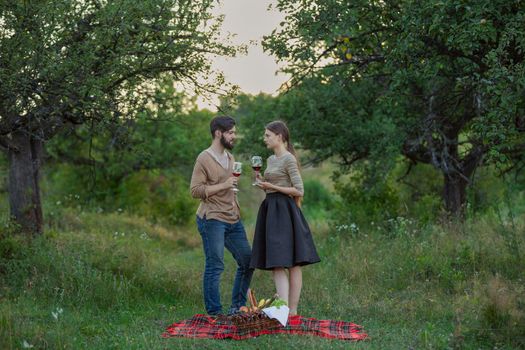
(253, 320)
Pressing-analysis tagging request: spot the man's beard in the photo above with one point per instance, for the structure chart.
(226, 144)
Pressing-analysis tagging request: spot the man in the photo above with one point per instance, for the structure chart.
(218, 217)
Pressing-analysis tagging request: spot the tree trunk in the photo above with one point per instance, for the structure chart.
(454, 195)
(23, 186)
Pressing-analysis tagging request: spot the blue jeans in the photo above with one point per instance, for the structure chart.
(215, 236)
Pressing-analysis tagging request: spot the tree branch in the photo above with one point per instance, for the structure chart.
(64, 157)
(306, 70)
(10, 123)
(407, 172)
(472, 159)
(143, 70)
(451, 52)
(348, 161)
(416, 152)
(5, 145)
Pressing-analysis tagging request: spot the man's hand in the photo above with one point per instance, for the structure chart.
(230, 183)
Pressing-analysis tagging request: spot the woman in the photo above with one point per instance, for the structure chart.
(282, 237)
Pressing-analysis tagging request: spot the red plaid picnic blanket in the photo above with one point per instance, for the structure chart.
(205, 326)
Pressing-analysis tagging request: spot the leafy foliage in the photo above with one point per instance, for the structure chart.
(72, 62)
(439, 82)
(143, 166)
(94, 64)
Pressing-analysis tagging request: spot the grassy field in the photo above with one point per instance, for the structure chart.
(112, 281)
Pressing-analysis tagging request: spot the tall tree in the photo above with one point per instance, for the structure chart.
(438, 82)
(92, 62)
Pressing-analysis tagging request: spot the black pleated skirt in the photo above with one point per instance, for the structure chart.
(282, 236)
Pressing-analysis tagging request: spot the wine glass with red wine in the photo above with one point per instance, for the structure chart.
(256, 166)
(237, 171)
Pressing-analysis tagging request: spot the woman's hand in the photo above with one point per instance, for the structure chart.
(291, 191)
(265, 185)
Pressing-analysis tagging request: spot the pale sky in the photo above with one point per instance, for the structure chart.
(255, 72)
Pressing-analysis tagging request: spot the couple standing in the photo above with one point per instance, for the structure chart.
(282, 239)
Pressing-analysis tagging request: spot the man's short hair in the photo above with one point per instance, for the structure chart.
(222, 123)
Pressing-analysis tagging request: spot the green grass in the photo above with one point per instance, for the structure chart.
(120, 280)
